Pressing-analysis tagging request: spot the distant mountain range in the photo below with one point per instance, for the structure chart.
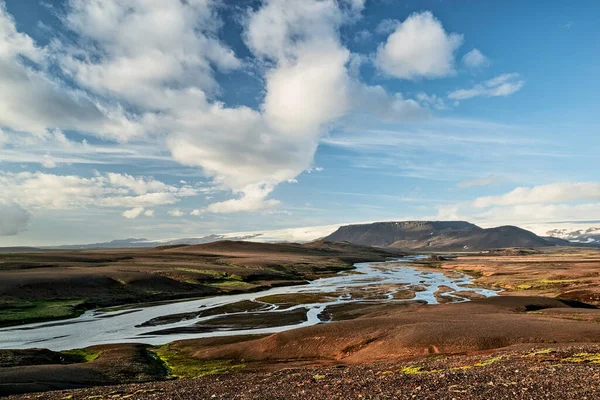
(409, 235)
(582, 236)
(438, 236)
(144, 243)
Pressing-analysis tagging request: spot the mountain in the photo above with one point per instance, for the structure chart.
(436, 235)
(588, 236)
(145, 243)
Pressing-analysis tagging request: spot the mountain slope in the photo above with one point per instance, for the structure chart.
(436, 235)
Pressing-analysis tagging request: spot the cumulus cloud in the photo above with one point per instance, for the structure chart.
(133, 213)
(308, 84)
(502, 85)
(253, 199)
(41, 191)
(562, 201)
(475, 59)
(149, 213)
(176, 212)
(551, 193)
(142, 49)
(48, 162)
(146, 69)
(13, 218)
(50, 103)
(418, 48)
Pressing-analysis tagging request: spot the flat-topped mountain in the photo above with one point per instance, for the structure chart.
(436, 235)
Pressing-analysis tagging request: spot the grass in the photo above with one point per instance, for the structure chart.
(82, 355)
(12, 313)
(181, 365)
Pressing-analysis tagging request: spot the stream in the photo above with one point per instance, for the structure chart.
(269, 311)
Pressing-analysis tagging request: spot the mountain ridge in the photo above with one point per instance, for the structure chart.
(437, 235)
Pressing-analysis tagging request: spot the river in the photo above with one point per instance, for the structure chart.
(369, 282)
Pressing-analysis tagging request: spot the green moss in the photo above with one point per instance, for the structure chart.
(488, 362)
(386, 373)
(215, 274)
(39, 310)
(593, 358)
(181, 365)
(556, 281)
(230, 284)
(318, 377)
(540, 352)
(411, 370)
(82, 355)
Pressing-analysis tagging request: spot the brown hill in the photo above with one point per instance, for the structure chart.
(436, 235)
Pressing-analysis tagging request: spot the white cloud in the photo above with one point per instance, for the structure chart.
(49, 103)
(41, 191)
(502, 85)
(175, 212)
(478, 182)
(387, 26)
(13, 218)
(552, 203)
(308, 85)
(145, 70)
(431, 101)
(48, 162)
(133, 213)
(418, 48)
(475, 59)
(362, 36)
(149, 213)
(3, 138)
(253, 199)
(551, 193)
(143, 48)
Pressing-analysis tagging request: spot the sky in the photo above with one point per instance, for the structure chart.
(170, 118)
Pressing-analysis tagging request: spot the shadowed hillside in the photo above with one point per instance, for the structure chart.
(436, 235)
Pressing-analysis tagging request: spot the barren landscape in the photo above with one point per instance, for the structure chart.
(544, 322)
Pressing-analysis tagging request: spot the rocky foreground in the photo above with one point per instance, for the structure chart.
(523, 372)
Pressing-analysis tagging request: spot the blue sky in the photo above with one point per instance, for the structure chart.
(163, 118)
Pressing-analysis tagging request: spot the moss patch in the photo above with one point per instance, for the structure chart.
(488, 362)
(540, 352)
(556, 281)
(411, 370)
(234, 284)
(13, 313)
(81, 355)
(181, 365)
(593, 358)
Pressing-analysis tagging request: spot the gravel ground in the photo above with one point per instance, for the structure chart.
(559, 372)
